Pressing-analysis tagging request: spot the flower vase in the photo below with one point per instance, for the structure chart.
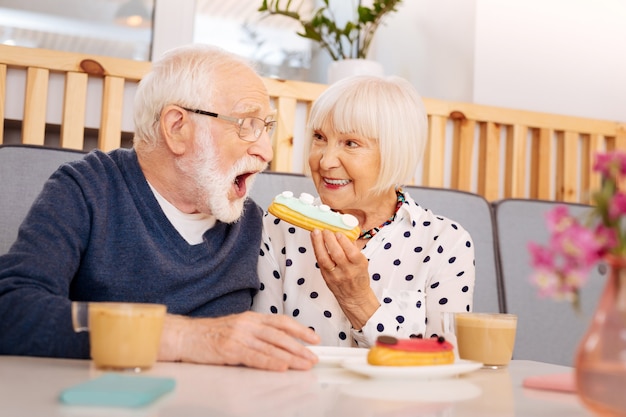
(601, 356)
(348, 67)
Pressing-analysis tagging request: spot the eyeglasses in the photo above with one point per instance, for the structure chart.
(250, 128)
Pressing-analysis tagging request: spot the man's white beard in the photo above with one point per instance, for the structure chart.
(211, 186)
(217, 186)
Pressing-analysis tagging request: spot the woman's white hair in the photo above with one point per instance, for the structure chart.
(388, 110)
(185, 76)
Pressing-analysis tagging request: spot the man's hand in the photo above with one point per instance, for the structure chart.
(264, 341)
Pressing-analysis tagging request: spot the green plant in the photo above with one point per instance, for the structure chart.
(350, 41)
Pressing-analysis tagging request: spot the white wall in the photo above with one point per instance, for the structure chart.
(431, 43)
(555, 56)
(173, 25)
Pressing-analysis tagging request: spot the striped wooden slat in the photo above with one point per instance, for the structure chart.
(434, 154)
(590, 180)
(462, 154)
(110, 136)
(619, 140)
(35, 102)
(514, 163)
(282, 141)
(489, 155)
(73, 118)
(567, 166)
(3, 94)
(540, 163)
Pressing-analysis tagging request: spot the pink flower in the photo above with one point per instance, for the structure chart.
(578, 245)
(559, 219)
(561, 267)
(617, 206)
(547, 283)
(611, 164)
(607, 237)
(558, 270)
(603, 164)
(542, 257)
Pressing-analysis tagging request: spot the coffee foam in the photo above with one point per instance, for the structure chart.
(487, 320)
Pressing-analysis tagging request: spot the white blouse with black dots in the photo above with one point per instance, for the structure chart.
(420, 265)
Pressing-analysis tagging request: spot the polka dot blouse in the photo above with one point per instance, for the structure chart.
(419, 265)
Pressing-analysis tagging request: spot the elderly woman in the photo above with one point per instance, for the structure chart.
(407, 266)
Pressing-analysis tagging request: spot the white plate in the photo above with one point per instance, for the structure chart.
(333, 355)
(361, 366)
(425, 391)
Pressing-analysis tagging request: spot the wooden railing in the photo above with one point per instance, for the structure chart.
(495, 152)
(36, 67)
(502, 153)
(292, 100)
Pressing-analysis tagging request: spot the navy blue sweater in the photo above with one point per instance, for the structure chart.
(97, 233)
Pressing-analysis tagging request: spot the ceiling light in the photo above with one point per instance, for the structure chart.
(133, 13)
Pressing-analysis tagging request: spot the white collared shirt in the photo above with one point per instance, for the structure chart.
(420, 265)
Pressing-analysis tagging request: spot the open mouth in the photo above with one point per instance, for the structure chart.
(240, 184)
(336, 183)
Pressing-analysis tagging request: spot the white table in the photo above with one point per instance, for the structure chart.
(31, 386)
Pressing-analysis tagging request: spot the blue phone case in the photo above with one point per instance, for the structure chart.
(117, 390)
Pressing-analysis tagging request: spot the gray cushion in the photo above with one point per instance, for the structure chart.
(23, 171)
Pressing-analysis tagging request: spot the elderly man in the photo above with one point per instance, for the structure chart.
(167, 222)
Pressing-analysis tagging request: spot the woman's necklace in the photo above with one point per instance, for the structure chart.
(368, 234)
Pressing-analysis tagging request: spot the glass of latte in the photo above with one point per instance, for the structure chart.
(488, 338)
(122, 336)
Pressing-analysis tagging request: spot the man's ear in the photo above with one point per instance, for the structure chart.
(177, 129)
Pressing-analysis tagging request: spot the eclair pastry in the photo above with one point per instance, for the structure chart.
(301, 212)
(390, 351)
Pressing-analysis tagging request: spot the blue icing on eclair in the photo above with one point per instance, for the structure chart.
(302, 212)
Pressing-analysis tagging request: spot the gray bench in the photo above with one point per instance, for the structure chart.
(547, 331)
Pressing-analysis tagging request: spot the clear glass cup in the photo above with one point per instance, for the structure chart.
(488, 338)
(122, 336)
